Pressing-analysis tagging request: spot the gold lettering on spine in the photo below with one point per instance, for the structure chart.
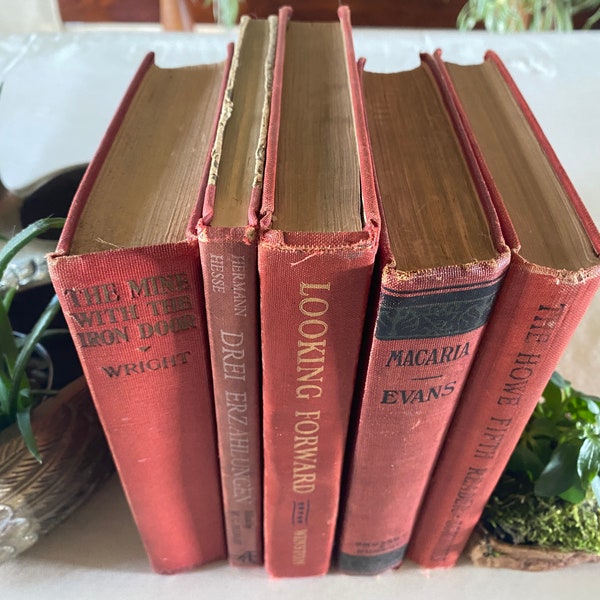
(233, 368)
(299, 547)
(312, 329)
(306, 447)
(310, 368)
(310, 359)
(238, 285)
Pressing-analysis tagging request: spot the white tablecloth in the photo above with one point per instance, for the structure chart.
(59, 93)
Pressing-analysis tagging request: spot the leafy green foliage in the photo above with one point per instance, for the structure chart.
(225, 11)
(559, 450)
(17, 396)
(518, 15)
(549, 493)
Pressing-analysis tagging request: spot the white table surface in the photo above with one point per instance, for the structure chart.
(59, 93)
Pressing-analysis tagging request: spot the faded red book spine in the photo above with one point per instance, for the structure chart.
(311, 330)
(230, 270)
(425, 339)
(533, 320)
(313, 290)
(137, 318)
(149, 377)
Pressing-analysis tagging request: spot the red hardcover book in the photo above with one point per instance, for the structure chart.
(127, 274)
(553, 275)
(318, 239)
(441, 263)
(228, 236)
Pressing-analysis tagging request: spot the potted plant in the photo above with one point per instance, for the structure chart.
(519, 15)
(545, 510)
(225, 11)
(38, 424)
(18, 394)
(176, 15)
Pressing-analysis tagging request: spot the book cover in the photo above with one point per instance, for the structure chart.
(553, 276)
(127, 275)
(228, 238)
(314, 271)
(441, 262)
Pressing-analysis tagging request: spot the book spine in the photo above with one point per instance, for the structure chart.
(313, 302)
(137, 320)
(532, 322)
(423, 344)
(230, 271)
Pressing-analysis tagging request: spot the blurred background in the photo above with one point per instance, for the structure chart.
(183, 15)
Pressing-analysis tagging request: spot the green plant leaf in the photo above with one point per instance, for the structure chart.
(560, 473)
(542, 427)
(588, 462)
(524, 460)
(466, 20)
(28, 347)
(592, 20)
(559, 381)
(53, 333)
(24, 424)
(224, 11)
(592, 402)
(5, 385)
(552, 404)
(8, 298)
(575, 494)
(23, 237)
(9, 345)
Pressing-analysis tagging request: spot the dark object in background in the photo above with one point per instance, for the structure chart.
(23, 314)
(52, 199)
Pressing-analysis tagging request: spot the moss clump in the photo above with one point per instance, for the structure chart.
(548, 522)
(549, 493)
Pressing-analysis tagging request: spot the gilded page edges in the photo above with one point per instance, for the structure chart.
(270, 166)
(227, 105)
(64, 243)
(261, 149)
(561, 174)
(371, 217)
(259, 168)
